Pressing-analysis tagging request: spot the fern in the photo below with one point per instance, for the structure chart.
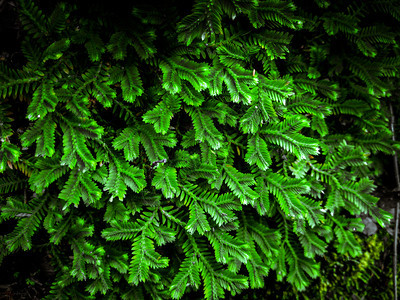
(187, 150)
(162, 114)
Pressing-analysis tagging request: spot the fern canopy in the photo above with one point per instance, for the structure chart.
(166, 150)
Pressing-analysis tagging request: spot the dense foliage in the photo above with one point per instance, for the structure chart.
(161, 150)
(368, 276)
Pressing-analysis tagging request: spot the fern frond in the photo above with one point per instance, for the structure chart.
(257, 153)
(121, 231)
(9, 154)
(30, 216)
(333, 22)
(166, 180)
(121, 176)
(160, 116)
(179, 68)
(144, 257)
(33, 19)
(55, 50)
(239, 184)
(238, 82)
(154, 143)
(119, 41)
(205, 129)
(46, 172)
(189, 274)
(273, 43)
(251, 120)
(128, 140)
(11, 183)
(346, 243)
(16, 82)
(275, 14)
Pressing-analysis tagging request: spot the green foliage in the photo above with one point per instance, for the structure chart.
(170, 151)
(369, 275)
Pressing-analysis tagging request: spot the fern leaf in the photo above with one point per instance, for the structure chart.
(277, 12)
(312, 244)
(103, 93)
(197, 220)
(298, 270)
(11, 183)
(251, 120)
(166, 180)
(16, 82)
(262, 204)
(189, 274)
(71, 191)
(162, 114)
(128, 140)
(131, 84)
(58, 19)
(257, 153)
(46, 172)
(143, 43)
(119, 41)
(121, 176)
(116, 210)
(232, 282)
(190, 96)
(154, 143)
(239, 184)
(95, 47)
(144, 257)
(33, 20)
(9, 153)
(205, 129)
(43, 133)
(56, 49)
(179, 68)
(239, 81)
(346, 243)
(121, 231)
(338, 21)
(44, 101)
(30, 215)
(297, 144)
(257, 271)
(225, 246)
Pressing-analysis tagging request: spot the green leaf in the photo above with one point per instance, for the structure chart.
(154, 143)
(189, 274)
(239, 81)
(121, 176)
(165, 179)
(178, 68)
(226, 247)
(346, 242)
(197, 220)
(205, 129)
(119, 41)
(162, 114)
(44, 101)
(251, 120)
(239, 184)
(56, 49)
(131, 84)
(128, 140)
(257, 153)
(144, 257)
(103, 93)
